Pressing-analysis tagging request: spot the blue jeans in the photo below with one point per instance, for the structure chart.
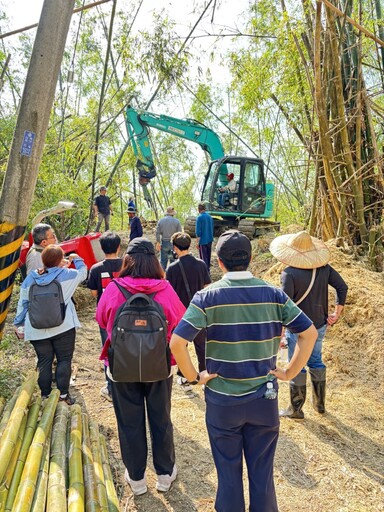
(166, 254)
(250, 429)
(222, 198)
(315, 360)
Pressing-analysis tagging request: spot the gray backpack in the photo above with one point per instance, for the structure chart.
(139, 350)
(46, 306)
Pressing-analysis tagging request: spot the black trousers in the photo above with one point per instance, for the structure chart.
(130, 400)
(62, 346)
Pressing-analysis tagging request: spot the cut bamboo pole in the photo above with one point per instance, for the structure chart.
(9, 437)
(113, 501)
(76, 481)
(57, 492)
(40, 496)
(28, 436)
(27, 487)
(7, 411)
(98, 465)
(91, 497)
(5, 485)
(2, 404)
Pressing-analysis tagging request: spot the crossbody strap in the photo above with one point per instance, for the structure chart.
(309, 287)
(185, 281)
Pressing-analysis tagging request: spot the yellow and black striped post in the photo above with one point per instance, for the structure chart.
(11, 238)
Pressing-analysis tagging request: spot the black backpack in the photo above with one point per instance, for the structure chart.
(139, 350)
(46, 306)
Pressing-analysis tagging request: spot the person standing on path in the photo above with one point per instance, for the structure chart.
(187, 276)
(136, 229)
(100, 275)
(102, 209)
(165, 228)
(56, 341)
(244, 317)
(204, 234)
(306, 281)
(135, 403)
(42, 235)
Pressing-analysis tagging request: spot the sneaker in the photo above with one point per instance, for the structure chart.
(182, 381)
(68, 399)
(106, 394)
(164, 482)
(138, 487)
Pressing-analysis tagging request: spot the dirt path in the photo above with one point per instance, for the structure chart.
(332, 462)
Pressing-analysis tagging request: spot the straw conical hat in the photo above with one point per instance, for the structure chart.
(300, 250)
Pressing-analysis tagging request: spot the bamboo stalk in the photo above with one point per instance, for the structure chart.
(91, 496)
(98, 465)
(27, 439)
(24, 496)
(113, 501)
(57, 492)
(40, 496)
(5, 485)
(9, 437)
(8, 410)
(76, 480)
(2, 404)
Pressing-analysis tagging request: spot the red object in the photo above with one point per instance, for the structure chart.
(87, 247)
(230, 176)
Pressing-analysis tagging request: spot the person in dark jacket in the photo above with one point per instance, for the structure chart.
(187, 276)
(134, 224)
(306, 281)
(103, 209)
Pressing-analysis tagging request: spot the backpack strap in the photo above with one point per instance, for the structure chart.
(123, 290)
(186, 284)
(308, 289)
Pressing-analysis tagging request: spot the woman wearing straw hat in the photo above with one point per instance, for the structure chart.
(305, 281)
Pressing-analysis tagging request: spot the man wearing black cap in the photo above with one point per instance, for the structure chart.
(244, 317)
(134, 224)
(187, 276)
(103, 209)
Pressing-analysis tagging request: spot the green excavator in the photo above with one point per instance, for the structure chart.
(248, 207)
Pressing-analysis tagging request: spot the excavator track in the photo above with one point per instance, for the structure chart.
(253, 228)
(190, 226)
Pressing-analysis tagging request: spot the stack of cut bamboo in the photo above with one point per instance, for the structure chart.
(52, 457)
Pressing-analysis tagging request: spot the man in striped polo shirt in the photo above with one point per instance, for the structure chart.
(244, 317)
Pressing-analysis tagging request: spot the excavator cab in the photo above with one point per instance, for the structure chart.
(246, 196)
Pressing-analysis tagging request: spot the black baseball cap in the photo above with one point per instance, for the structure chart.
(234, 247)
(140, 245)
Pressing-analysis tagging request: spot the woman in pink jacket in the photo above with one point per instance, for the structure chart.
(141, 273)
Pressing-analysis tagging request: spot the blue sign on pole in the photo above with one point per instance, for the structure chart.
(27, 144)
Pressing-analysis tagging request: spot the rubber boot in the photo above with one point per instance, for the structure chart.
(298, 393)
(318, 379)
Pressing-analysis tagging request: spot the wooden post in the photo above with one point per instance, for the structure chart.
(28, 140)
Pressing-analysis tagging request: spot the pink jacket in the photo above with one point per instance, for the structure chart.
(112, 298)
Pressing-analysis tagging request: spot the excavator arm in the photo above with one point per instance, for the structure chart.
(138, 124)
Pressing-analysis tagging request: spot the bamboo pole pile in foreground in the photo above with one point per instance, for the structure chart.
(52, 457)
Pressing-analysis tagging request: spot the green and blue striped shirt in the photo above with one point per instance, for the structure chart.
(244, 317)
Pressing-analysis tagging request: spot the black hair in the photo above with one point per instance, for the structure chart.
(235, 266)
(39, 233)
(139, 264)
(110, 242)
(181, 240)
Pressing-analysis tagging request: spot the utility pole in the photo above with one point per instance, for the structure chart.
(29, 139)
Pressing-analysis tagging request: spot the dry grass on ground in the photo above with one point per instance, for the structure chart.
(326, 463)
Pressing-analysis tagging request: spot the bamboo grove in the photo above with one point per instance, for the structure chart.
(52, 456)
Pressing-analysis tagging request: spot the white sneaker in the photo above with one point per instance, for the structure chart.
(164, 482)
(138, 487)
(182, 381)
(105, 393)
